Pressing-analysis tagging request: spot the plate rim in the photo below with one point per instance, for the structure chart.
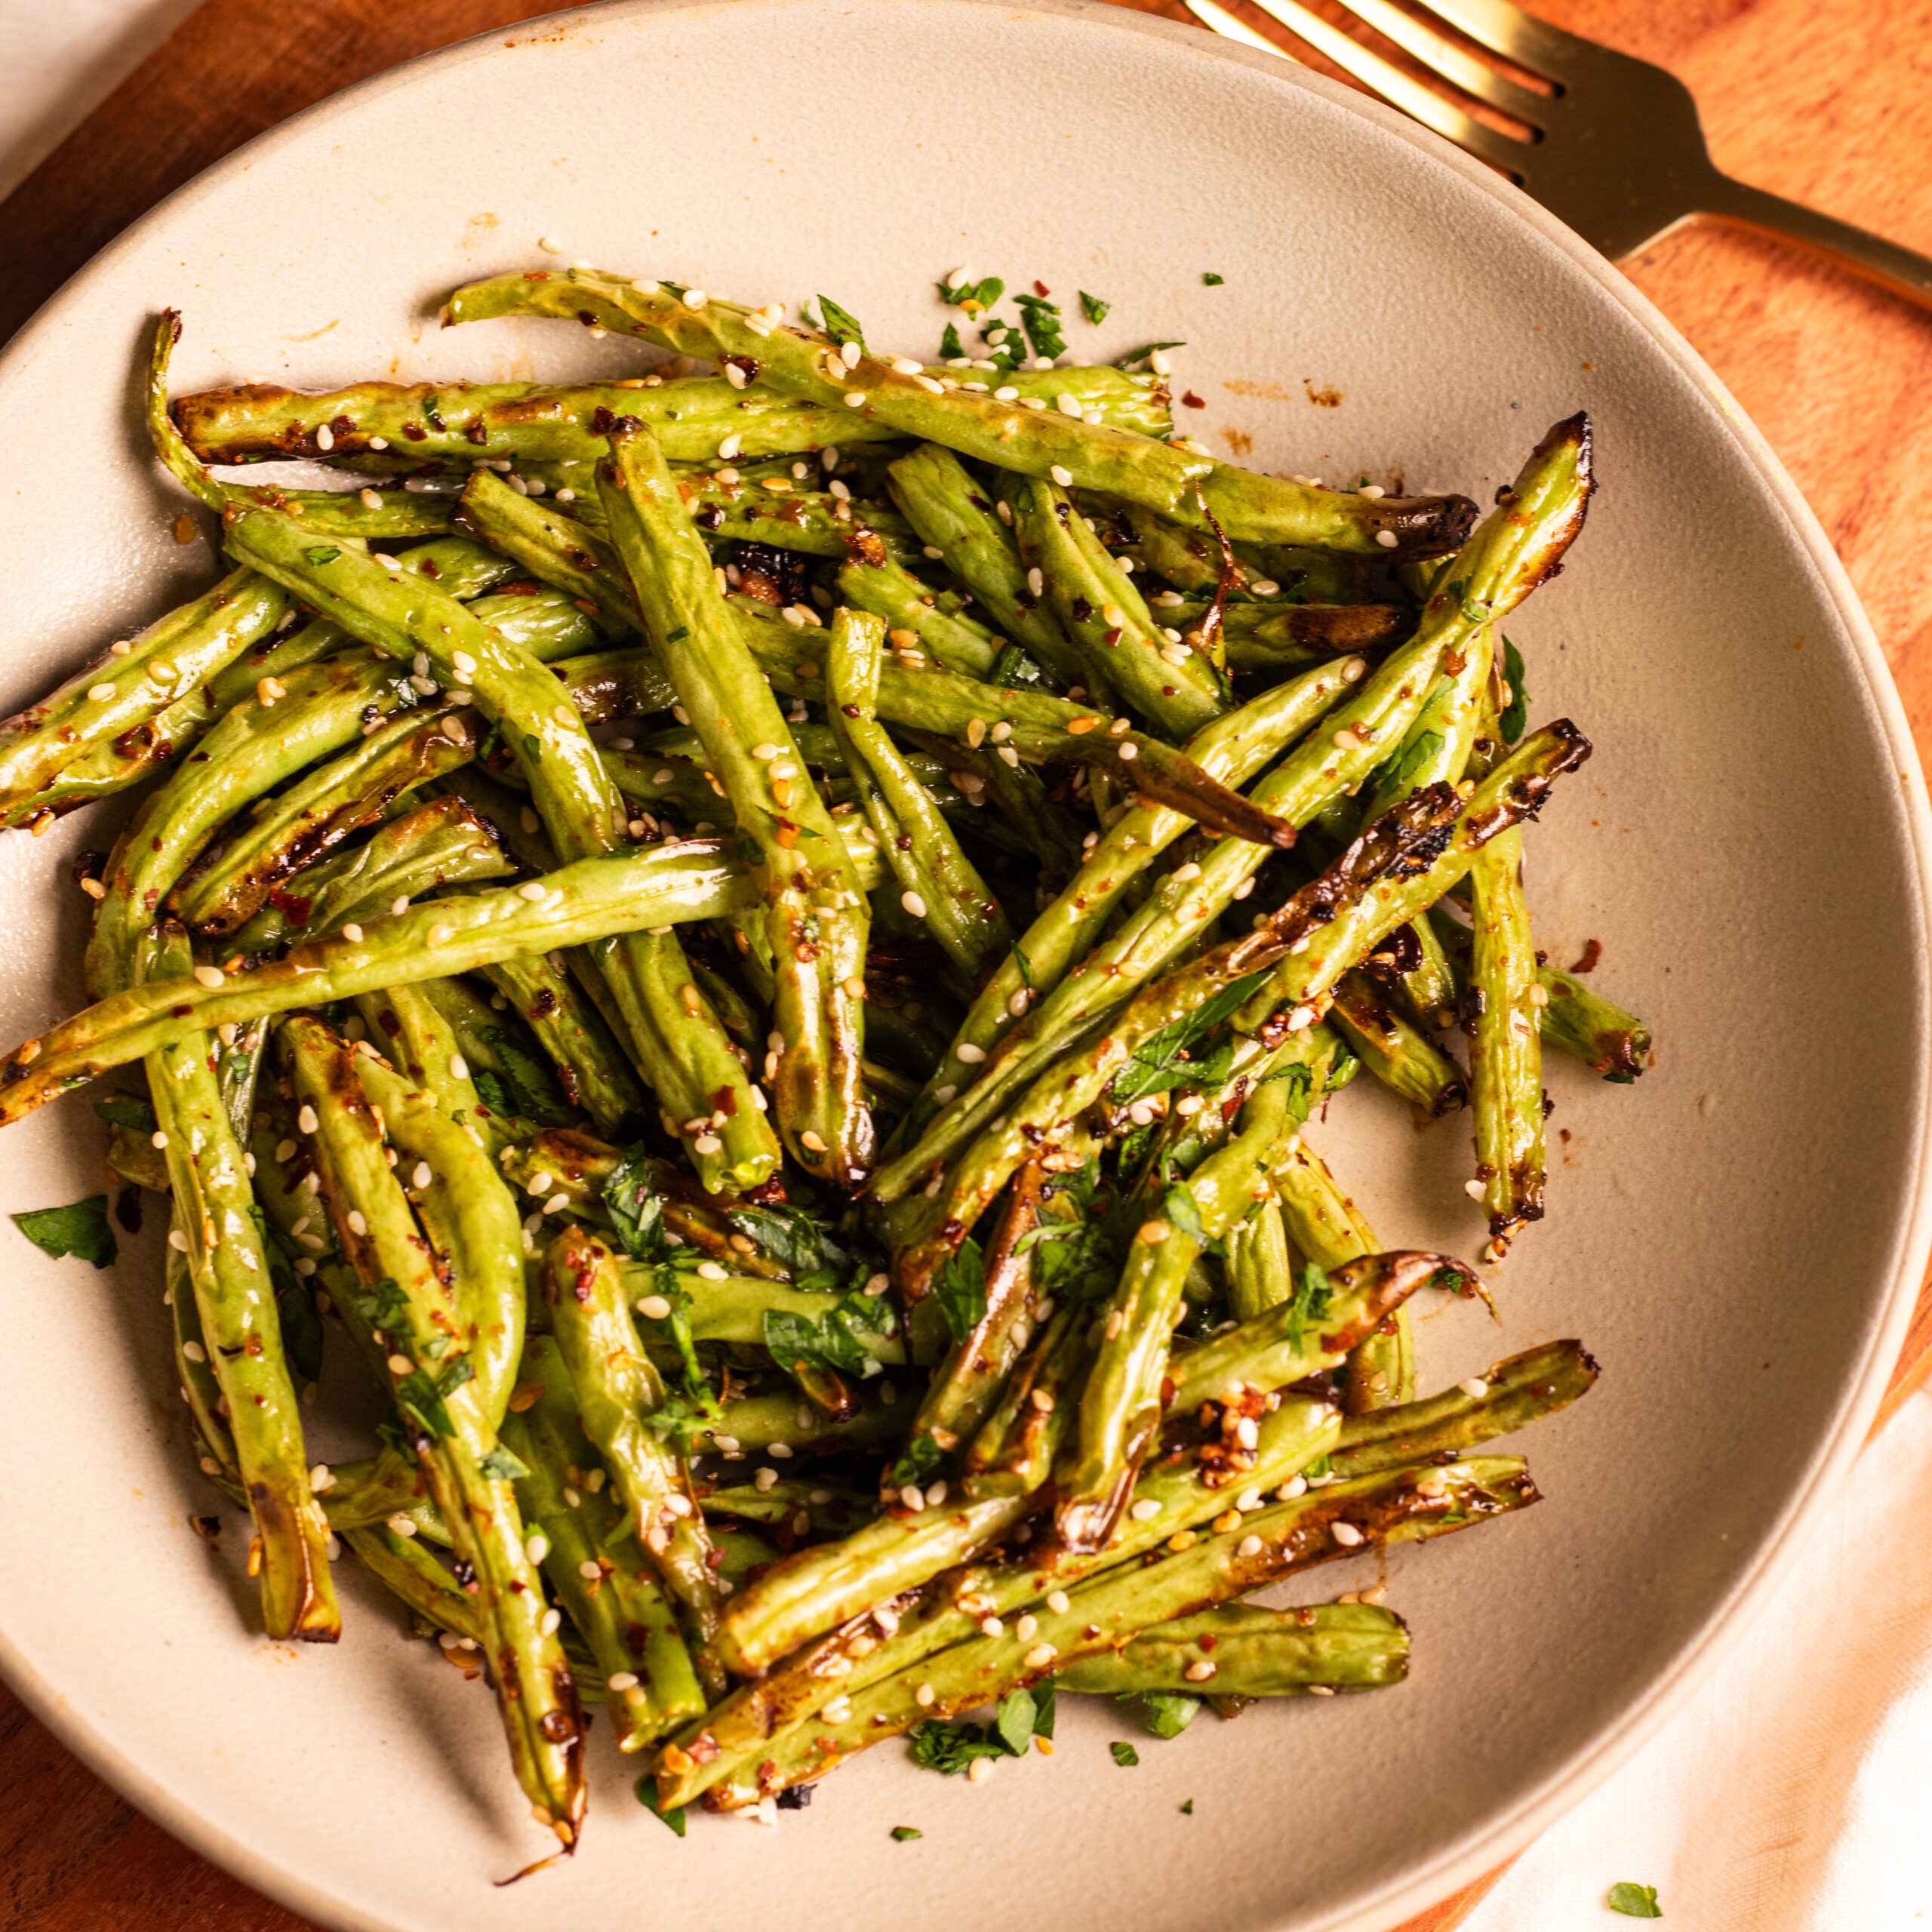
(1502, 1835)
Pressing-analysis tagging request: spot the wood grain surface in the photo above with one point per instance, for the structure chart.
(1826, 101)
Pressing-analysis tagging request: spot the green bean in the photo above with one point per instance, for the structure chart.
(1120, 1407)
(99, 732)
(940, 884)
(1185, 1492)
(1505, 1051)
(951, 514)
(777, 510)
(588, 1063)
(325, 806)
(1178, 482)
(407, 1570)
(1401, 1056)
(1514, 1394)
(240, 1332)
(1260, 1275)
(684, 1054)
(1014, 1451)
(587, 901)
(1378, 885)
(1229, 751)
(819, 1588)
(1581, 1021)
(1120, 647)
(1255, 1653)
(617, 1390)
(1108, 1611)
(445, 1421)
(902, 604)
(694, 416)
(815, 919)
(625, 1616)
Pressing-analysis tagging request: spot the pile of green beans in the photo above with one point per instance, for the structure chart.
(764, 946)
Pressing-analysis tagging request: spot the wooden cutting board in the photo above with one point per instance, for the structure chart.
(1823, 100)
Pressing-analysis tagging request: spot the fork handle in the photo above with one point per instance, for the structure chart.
(1902, 271)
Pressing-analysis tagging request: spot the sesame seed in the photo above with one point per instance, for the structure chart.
(210, 976)
(764, 1479)
(925, 1696)
(306, 1121)
(855, 399)
(1061, 475)
(1198, 1672)
(928, 383)
(654, 1308)
(324, 437)
(730, 447)
(397, 907)
(706, 1144)
(1474, 1387)
(1058, 1602)
(1295, 1486)
(783, 1451)
(1473, 1189)
(1144, 1510)
(193, 1350)
(914, 904)
(1386, 538)
(557, 1203)
(810, 1140)
(991, 1626)
(1038, 1658)
(1346, 1534)
(423, 1175)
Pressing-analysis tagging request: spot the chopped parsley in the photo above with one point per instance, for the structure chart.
(647, 1796)
(1125, 1754)
(1163, 1060)
(79, 1228)
(1635, 1901)
(840, 323)
(960, 1289)
(950, 1747)
(902, 1833)
(1211, 280)
(1093, 308)
(1516, 713)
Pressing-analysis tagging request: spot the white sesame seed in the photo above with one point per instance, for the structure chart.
(1474, 1387)
(1038, 1658)
(730, 447)
(1144, 1510)
(306, 1121)
(1386, 538)
(855, 399)
(422, 1176)
(1473, 1189)
(1061, 475)
(1346, 1534)
(992, 1626)
(193, 1350)
(783, 1451)
(1025, 1628)
(695, 298)
(1198, 1672)
(556, 1204)
(1059, 1602)
(764, 1479)
(914, 904)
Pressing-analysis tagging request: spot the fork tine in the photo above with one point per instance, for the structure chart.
(1397, 87)
(1532, 43)
(1224, 23)
(1463, 70)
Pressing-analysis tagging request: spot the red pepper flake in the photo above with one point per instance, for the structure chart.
(1040, 289)
(1190, 401)
(1592, 953)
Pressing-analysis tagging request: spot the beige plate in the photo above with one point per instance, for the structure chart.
(1737, 1237)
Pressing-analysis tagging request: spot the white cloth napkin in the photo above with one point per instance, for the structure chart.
(1793, 1792)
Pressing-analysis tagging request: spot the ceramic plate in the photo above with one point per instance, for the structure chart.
(1737, 1238)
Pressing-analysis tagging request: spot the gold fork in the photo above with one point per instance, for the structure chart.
(1615, 150)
